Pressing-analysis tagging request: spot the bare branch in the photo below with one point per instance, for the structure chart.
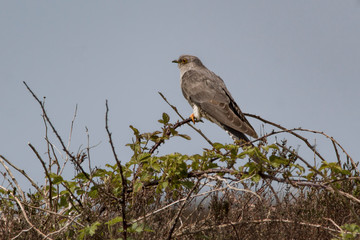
(174, 222)
(46, 172)
(2, 158)
(25, 215)
(260, 221)
(123, 180)
(57, 134)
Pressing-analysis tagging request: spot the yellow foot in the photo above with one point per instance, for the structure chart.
(192, 118)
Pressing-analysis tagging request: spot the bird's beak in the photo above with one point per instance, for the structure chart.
(175, 61)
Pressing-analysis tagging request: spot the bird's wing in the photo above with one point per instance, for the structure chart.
(209, 92)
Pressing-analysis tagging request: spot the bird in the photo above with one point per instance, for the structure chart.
(209, 98)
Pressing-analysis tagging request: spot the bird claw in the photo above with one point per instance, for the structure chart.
(192, 118)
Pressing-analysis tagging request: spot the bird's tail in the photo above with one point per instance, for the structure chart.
(236, 135)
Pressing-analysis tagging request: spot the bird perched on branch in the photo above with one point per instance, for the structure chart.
(207, 94)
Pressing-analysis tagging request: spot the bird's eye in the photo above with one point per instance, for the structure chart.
(184, 60)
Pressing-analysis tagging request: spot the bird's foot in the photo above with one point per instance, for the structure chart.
(192, 116)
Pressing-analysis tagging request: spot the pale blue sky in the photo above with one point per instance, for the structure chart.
(296, 63)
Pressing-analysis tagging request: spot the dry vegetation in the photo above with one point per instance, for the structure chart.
(226, 192)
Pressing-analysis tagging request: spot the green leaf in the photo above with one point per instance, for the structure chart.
(136, 131)
(173, 132)
(80, 191)
(218, 146)
(100, 173)
(256, 178)
(164, 184)
(138, 185)
(93, 192)
(273, 146)
(277, 161)
(81, 176)
(346, 172)
(143, 156)
(185, 136)
(165, 118)
(156, 166)
(310, 176)
(89, 230)
(93, 227)
(56, 179)
(114, 221)
(323, 165)
(241, 155)
(138, 228)
(63, 201)
(188, 184)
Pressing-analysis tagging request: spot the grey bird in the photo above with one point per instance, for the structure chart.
(208, 96)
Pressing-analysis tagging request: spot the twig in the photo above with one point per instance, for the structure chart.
(22, 231)
(48, 145)
(286, 130)
(57, 135)
(260, 221)
(51, 212)
(66, 226)
(304, 139)
(200, 174)
(123, 180)
(338, 144)
(88, 147)
(72, 126)
(180, 210)
(303, 160)
(2, 158)
(184, 199)
(168, 133)
(46, 173)
(25, 215)
(12, 177)
(328, 182)
(57, 170)
(334, 223)
(337, 153)
(196, 129)
(230, 186)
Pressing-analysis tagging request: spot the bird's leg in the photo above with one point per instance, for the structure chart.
(192, 116)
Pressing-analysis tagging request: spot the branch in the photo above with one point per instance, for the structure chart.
(286, 130)
(168, 133)
(46, 172)
(196, 129)
(123, 180)
(180, 210)
(195, 196)
(2, 158)
(57, 134)
(25, 215)
(260, 221)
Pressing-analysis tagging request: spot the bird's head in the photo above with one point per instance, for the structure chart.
(189, 61)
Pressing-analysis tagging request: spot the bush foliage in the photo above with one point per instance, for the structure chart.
(227, 191)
